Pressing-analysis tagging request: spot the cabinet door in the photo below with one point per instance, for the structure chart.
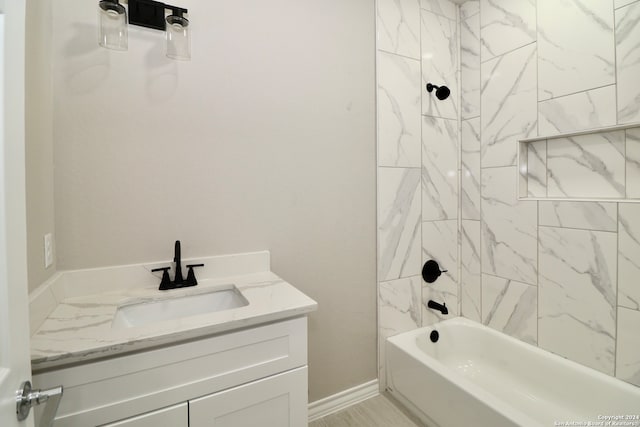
(276, 401)
(174, 416)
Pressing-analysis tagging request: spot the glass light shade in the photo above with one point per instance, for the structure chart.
(113, 25)
(178, 39)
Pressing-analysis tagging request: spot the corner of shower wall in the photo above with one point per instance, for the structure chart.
(418, 163)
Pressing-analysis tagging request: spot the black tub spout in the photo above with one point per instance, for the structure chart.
(442, 308)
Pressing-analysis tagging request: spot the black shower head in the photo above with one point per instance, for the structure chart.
(442, 92)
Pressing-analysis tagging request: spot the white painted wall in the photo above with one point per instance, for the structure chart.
(265, 140)
(39, 137)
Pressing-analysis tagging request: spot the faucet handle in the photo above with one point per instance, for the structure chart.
(165, 283)
(191, 276)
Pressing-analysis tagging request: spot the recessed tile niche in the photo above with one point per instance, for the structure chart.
(598, 164)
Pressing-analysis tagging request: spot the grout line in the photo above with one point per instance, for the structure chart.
(572, 199)
(398, 54)
(422, 95)
(546, 184)
(470, 16)
(505, 53)
(626, 184)
(436, 117)
(377, 184)
(591, 230)
(546, 181)
(498, 167)
(480, 131)
(538, 275)
(615, 64)
(574, 93)
(509, 279)
(399, 167)
(617, 311)
(459, 162)
(626, 5)
(439, 14)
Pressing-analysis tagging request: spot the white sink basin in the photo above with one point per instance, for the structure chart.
(175, 308)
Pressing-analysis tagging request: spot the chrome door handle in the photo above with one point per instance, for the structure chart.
(28, 398)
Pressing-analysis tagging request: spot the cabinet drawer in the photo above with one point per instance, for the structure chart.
(101, 392)
(277, 401)
(174, 416)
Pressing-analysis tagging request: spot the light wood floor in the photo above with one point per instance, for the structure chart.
(378, 411)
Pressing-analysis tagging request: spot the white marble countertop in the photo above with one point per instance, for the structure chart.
(78, 328)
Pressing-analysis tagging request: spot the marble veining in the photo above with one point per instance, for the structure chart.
(537, 169)
(470, 271)
(629, 255)
(584, 110)
(506, 25)
(469, 8)
(510, 307)
(439, 169)
(399, 310)
(576, 60)
(622, 3)
(440, 243)
(590, 165)
(523, 173)
(79, 328)
(398, 111)
(584, 215)
(578, 295)
(470, 66)
(633, 162)
(470, 180)
(628, 354)
(398, 222)
(398, 27)
(439, 64)
(509, 105)
(440, 7)
(400, 305)
(628, 62)
(509, 228)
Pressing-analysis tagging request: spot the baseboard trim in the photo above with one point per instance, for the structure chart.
(342, 400)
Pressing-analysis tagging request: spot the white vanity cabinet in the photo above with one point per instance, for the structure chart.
(174, 416)
(273, 401)
(249, 377)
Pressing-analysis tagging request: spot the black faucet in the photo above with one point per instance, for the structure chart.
(178, 260)
(178, 281)
(440, 307)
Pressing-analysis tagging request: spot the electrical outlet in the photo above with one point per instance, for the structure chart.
(48, 250)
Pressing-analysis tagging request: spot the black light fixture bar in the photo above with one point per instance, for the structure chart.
(150, 13)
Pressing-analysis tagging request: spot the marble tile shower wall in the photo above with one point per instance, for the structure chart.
(418, 161)
(558, 274)
(562, 275)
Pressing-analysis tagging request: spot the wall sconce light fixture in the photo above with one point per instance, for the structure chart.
(149, 14)
(113, 25)
(178, 43)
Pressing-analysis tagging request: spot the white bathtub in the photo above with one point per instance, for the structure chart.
(475, 376)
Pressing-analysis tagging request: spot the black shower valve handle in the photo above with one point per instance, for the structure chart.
(431, 271)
